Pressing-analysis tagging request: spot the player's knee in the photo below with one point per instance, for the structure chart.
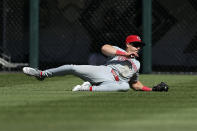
(124, 87)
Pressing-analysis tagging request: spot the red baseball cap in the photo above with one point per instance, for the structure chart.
(133, 38)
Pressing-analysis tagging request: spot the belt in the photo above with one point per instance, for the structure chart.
(115, 75)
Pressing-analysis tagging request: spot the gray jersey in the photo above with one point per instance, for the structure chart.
(127, 68)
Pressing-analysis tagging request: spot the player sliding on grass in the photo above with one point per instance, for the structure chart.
(119, 74)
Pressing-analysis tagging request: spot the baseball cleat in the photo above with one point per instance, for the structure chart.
(76, 88)
(84, 87)
(86, 84)
(33, 72)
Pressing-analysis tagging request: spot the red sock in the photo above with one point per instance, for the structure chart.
(90, 88)
(145, 88)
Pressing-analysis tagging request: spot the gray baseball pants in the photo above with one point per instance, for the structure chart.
(93, 74)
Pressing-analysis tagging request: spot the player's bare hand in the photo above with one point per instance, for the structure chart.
(132, 54)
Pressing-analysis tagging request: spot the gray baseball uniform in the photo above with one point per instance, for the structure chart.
(113, 76)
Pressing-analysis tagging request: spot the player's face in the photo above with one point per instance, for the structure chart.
(134, 47)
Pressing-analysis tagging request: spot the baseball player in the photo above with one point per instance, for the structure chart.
(120, 73)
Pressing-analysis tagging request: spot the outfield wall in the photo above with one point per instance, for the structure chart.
(73, 31)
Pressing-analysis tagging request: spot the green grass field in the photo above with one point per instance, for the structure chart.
(30, 105)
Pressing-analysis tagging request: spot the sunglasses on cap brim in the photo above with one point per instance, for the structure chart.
(137, 44)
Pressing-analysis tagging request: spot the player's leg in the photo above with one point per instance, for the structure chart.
(94, 74)
(105, 86)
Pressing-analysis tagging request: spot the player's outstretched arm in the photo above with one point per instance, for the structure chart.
(109, 50)
(138, 86)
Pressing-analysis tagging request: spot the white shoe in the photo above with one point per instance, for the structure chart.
(84, 87)
(33, 72)
(86, 84)
(76, 88)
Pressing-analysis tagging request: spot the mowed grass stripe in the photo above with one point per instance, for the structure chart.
(27, 104)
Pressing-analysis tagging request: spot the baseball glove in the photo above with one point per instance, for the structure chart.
(161, 87)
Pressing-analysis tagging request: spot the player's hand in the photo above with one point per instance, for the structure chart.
(132, 54)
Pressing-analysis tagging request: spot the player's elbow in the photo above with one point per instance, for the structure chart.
(105, 49)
